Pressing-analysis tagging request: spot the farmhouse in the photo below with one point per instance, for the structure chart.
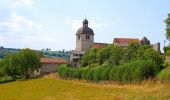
(85, 40)
(51, 64)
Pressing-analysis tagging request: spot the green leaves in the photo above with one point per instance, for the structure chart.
(167, 21)
(22, 63)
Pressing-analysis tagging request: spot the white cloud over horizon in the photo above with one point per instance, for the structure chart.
(17, 24)
(20, 31)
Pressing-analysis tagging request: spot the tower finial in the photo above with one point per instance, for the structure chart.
(85, 22)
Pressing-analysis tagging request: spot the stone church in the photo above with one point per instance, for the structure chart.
(85, 40)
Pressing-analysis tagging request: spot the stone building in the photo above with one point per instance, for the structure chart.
(49, 65)
(84, 41)
(145, 41)
(156, 47)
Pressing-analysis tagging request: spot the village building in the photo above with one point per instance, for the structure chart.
(124, 42)
(49, 65)
(85, 40)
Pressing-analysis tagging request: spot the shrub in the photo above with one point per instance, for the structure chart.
(96, 74)
(134, 71)
(104, 75)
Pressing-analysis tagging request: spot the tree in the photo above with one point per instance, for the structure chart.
(167, 21)
(9, 65)
(28, 61)
(89, 57)
(116, 56)
(22, 63)
(131, 52)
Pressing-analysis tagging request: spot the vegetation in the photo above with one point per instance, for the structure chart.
(132, 72)
(124, 65)
(167, 21)
(5, 79)
(164, 75)
(57, 89)
(23, 63)
(44, 52)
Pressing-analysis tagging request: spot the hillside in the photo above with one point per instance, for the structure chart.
(58, 89)
(164, 75)
(47, 53)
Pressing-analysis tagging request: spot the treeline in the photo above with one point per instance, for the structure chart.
(63, 54)
(21, 64)
(132, 64)
(46, 52)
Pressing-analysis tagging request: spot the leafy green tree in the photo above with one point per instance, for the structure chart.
(131, 52)
(89, 57)
(9, 65)
(28, 61)
(116, 55)
(167, 21)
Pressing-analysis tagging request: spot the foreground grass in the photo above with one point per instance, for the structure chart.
(58, 89)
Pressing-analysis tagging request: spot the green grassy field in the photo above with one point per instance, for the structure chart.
(58, 89)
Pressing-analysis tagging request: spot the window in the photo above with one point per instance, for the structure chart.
(78, 37)
(87, 37)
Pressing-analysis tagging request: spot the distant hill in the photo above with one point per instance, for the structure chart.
(47, 53)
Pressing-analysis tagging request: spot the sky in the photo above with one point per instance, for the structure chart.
(40, 24)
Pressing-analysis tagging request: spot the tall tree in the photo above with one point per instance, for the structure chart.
(28, 61)
(167, 21)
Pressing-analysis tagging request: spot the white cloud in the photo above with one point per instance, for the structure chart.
(94, 23)
(26, 2)
(74, 23)
(17, 24)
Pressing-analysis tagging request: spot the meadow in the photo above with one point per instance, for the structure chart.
(52, 88)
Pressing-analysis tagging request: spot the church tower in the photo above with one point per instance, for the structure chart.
(84, 37)
(84, 41)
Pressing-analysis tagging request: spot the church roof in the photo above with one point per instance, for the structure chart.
(85, 29)
(126, 40)
(53, 61)
(99, 45)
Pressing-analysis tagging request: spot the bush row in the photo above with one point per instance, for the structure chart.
(135, 71)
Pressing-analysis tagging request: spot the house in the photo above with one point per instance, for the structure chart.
(51, 64)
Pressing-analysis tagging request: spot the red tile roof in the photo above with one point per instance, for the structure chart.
(99, 45)
(53, 61)
(126, 40)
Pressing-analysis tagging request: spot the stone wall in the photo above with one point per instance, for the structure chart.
(47, 68)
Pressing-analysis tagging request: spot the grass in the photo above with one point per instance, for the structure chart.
(164, 75)
(58, 89)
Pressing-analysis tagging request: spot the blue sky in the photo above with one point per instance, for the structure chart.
(39, 24)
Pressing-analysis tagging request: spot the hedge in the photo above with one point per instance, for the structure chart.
(135, 71)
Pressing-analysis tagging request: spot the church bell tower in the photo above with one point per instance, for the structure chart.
(84, 37)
